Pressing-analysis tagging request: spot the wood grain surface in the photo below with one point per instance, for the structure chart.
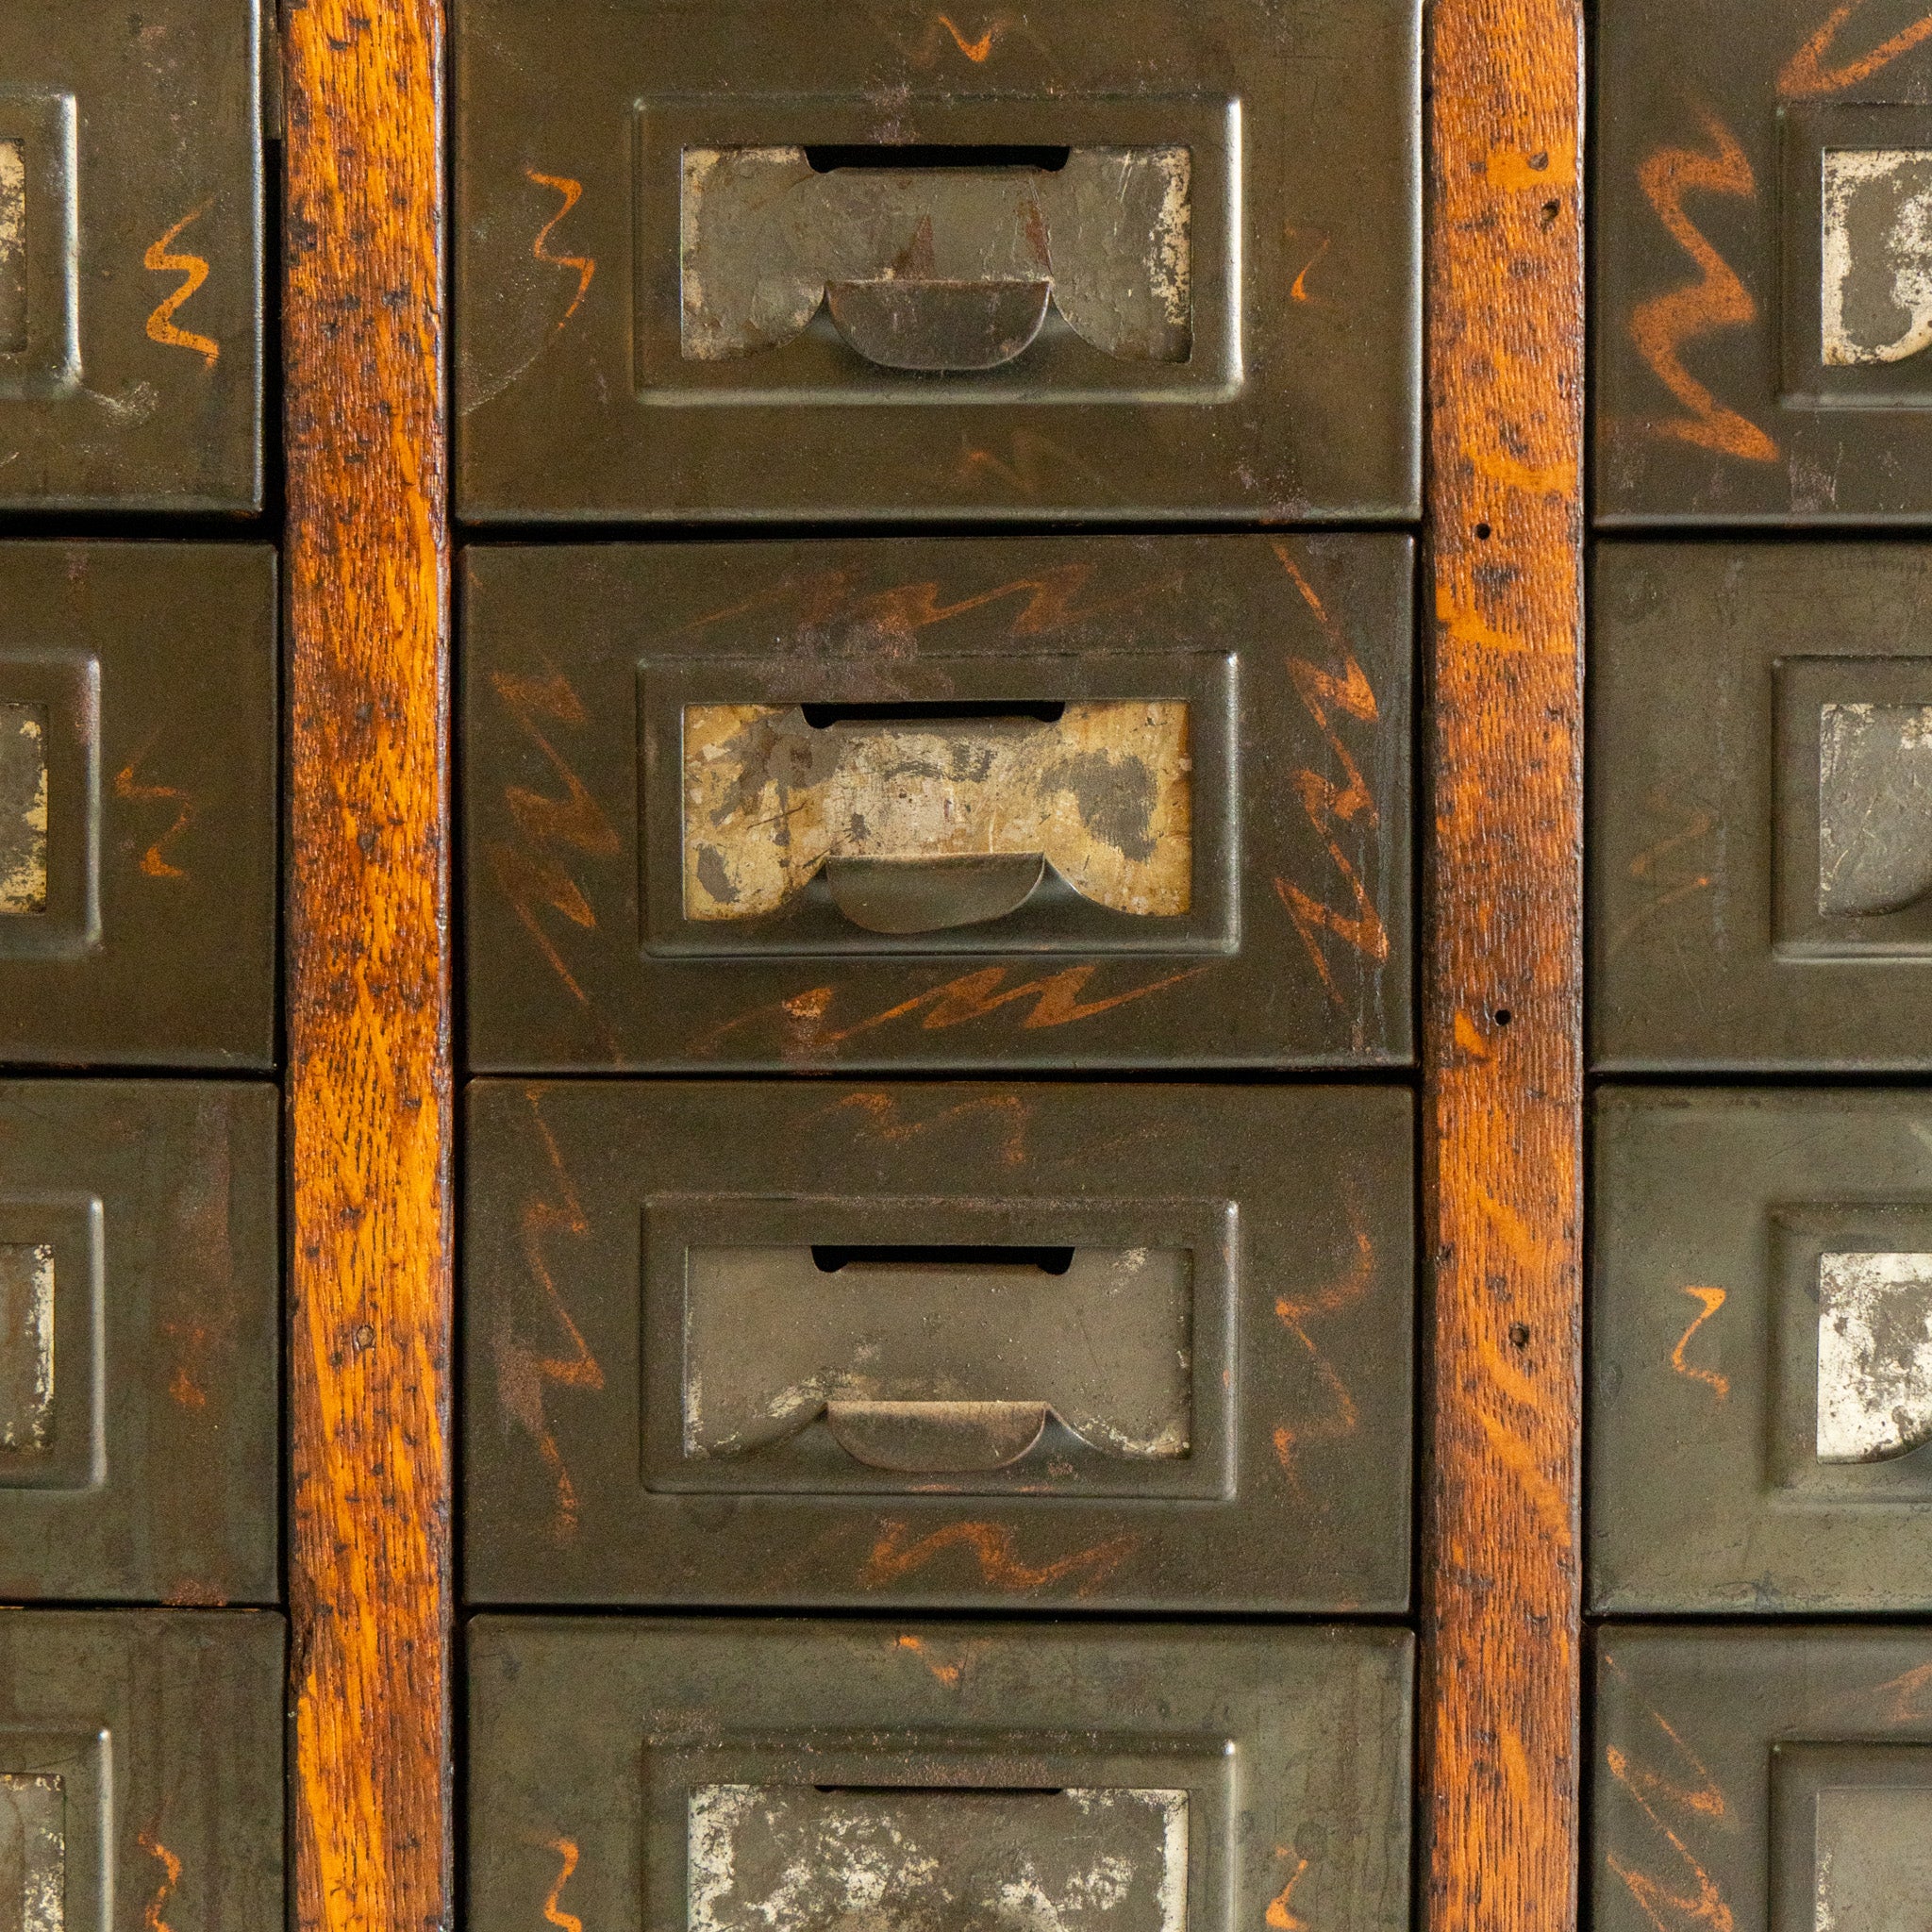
(369, 1046)
(1503, 1021)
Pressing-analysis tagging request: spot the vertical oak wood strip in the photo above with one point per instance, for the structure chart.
(1501, 1613)
(370, 1097)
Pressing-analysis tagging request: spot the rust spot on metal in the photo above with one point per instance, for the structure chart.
(1712, 1299)
(161, 260)
(995, 1549)
(1662, 327)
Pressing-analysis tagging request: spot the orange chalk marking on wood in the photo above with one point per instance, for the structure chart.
(160, 324)
(1711, 1299)
(1806, 77)
(1662, 327)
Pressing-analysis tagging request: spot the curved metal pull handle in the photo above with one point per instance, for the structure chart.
(937, 269)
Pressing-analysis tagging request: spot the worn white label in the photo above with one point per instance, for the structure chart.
(802, 1858)
(1877, 294)
(33, 1853)
(14, 307)
(1874, 1356)
(23, 809)
(1875, 808)
(26, 1349)
(1874, 1858)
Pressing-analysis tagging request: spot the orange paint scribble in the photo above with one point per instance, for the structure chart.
(994, 1548)
(586, 267)
(947, 1674)
(532, 877)
(1910, 1696)
(1665, 326)
(566, 1849)
(1687, 1795)
(1052, 601)
(155, 864)
(1690, 825)
(160, 324)
(1280, 1915)
(1712, 1300)
(1327, 805)
(1296, 1314)
(523, 1376)
(170, 1870)
(1026, 472)
(886, 1119)
(1806, 77)
(975, 51)
(1056, 998)
(1299, 292)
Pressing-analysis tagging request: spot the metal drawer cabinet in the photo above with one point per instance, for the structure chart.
(1763, 307)
(1762, 807)
(731, 1775)
(140, 1341)
(138, 814)
(966, 1345)
(1761, 1324)
(1763, 1780)
(131, 246)
(140, 1770)
(790, 260)
(1003, 803)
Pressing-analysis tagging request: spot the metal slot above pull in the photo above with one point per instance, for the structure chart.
(938, 261)
(939, 1361)
(922, 818)
(815, 1858)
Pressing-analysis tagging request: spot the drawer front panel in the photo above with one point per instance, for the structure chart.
(829, 266)
(1759, 809)
(131, 245)
(1782, 1780)
(138, 811)
(1018, 802)
(1150, 1778)
(140, 1341)
(751, 1342)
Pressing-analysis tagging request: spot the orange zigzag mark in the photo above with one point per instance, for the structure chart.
(529, 876)
(1667, 324)
(1326, 804)
(160, 326)
(1279, 1916)
(154, 861)
(573, 193)
(996, 1549)
(1654, 1793)
(566, 1849)
(522, 1375)
(1295, 1316)
(1806, 77)
(170, 1868)
(886, 1122)
(975, 51)
(1714, 1299)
